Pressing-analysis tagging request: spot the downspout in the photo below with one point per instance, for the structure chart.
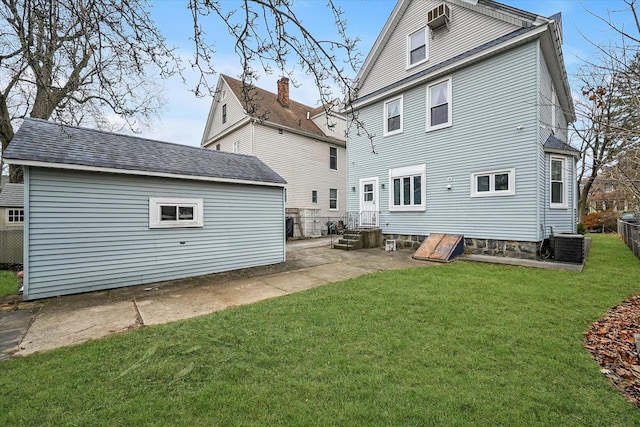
(25, 233)
(540, 204)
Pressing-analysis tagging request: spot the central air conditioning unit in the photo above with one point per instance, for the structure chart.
(569, 248)
(439, 17)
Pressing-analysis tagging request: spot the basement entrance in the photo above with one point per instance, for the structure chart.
(440, 247)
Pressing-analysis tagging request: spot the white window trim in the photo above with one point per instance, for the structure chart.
(236, 147)
(565, 186)
(407, 171)
(492, 192)
(337, 200)
(20, 214)
(426, 47)
(386, 121)
(449, 109)
(154, 212)
(336, 151)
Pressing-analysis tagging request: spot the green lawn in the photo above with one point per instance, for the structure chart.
(461, 344)
(9, 283)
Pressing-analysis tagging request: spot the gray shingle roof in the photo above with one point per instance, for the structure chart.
(42, 141)
(12, 196)
(554, 144)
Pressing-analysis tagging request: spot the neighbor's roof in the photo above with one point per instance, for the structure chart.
(46, 144)
(12, 196)
(269, 108)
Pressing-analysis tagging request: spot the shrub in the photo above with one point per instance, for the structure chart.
(601, 222)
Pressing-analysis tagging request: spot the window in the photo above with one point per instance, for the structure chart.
(15, 215)
(417, 47)
(393, 116)
(236, 147)
(493, 183)
(439, 105)
(408, 188)
(224, 113)
(175, 212)
(367, 193)
(559, 182)
(217, 147)
(314, 196)
(333, 158)
(333, 199)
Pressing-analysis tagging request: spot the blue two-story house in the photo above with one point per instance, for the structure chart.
(468, 102)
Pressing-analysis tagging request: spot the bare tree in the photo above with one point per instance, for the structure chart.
(75, 60)
(609, 112)
(270, 38)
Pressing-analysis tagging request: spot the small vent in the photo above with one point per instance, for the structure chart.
(439, 17)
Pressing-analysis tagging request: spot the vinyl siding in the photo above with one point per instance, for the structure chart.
(491, 100)
(467, 29)
(90, 231)
(304, 163)
(561, 220)
(235, 112)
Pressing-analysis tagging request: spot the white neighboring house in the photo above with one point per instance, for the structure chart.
(299, 142)
(12, 207)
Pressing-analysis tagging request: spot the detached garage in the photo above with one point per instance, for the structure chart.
(104, 210)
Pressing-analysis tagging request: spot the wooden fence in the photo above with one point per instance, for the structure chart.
(11, 246)
(630, 233)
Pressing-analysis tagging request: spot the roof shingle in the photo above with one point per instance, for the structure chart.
(12, 196)
(42, 141)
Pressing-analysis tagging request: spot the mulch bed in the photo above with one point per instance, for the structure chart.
(611, 342)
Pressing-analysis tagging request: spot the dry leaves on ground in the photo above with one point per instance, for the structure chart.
(611, 342)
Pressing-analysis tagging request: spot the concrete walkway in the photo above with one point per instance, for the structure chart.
(69, 320)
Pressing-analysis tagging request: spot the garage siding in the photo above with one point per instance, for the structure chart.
(90, 231)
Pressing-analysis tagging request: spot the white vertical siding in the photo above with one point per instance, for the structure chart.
(495, 125)
(467, 30)
(90, 231)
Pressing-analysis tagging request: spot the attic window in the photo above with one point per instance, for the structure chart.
(417, 47)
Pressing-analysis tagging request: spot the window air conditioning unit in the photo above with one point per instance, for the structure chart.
(439, 17)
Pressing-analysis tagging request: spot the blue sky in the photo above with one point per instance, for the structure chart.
(184, 116)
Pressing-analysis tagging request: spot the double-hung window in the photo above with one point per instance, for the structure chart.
(493, 183)
(333, 199)
(333, 158)
(558, 182)
(439, 105)
(314, 196)
(407, 188)
(393, 116)
(417, 47)
(170, 212)
(15, 215)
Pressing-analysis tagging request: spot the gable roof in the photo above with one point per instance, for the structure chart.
(531, 26)
(46, 144)
(268, 108)
(12, 196)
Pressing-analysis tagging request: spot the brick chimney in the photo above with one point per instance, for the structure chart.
(283, 92)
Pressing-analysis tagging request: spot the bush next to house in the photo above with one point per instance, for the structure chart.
(601, 222)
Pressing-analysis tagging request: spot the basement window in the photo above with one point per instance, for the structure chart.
(169, 212)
